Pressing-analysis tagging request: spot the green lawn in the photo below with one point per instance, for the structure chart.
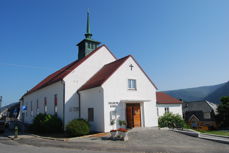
(224, 133)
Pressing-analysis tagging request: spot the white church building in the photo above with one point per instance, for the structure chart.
(97, 87)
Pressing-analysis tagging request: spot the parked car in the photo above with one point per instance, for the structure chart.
(2, 125)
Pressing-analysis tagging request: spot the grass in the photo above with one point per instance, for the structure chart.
(223, 133)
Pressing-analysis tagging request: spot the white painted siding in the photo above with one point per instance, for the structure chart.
(48, 92)
(79, 76)
(93, 98)
(116, 90)
(173, 108)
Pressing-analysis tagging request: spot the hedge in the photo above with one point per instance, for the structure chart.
(78, 127)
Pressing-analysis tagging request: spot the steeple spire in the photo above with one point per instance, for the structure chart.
(87, 45)
(88, 33)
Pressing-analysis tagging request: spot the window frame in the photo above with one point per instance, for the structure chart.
(55, 104)
(45, 105)
(166, 109)
(31, 108)
(90, 116)
(37, 110)
(207, 115)
(132, 84)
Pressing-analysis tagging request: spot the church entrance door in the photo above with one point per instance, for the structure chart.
(133, 115)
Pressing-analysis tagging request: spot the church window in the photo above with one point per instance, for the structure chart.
(26, 113)
(31, 108)
(90, 114)
(55, 104)
(37, 106)
(89, 45)
(45, 105)
(166, 109)
(132, 84)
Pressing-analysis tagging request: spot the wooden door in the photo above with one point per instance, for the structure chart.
(133, 115)
(137, 115)
(129, 116)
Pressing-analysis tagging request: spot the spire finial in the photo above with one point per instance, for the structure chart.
(88, 32)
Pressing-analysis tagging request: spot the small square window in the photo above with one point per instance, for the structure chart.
(132, 84)
(207, 115)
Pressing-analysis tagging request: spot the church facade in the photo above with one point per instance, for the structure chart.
(97, 87)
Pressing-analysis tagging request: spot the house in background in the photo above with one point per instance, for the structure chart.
(97, 87)
(10, 112)
(167, 103)
(200, 114)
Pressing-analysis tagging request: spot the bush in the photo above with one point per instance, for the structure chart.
(46, 123)
(171, 120)
(78, 127)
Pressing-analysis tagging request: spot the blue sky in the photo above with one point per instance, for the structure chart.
(179, 43)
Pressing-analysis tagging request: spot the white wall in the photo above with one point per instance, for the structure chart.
(93, 98)
(173, 108)
(116, 90)
(48, 92)
(73, 82)
(79, 76)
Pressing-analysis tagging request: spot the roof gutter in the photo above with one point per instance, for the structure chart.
(63, 104)
(79, 104)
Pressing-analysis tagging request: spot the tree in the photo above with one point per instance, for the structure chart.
(223, 112)
(46, 123)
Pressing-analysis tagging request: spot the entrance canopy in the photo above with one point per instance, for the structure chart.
(134, 101)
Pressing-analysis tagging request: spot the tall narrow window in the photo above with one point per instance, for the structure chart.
(89, 45)
(38, 107)
(132, 84)
(55, 103)
(45, 106)
(31, 108)
(26, 113)
(90, 114)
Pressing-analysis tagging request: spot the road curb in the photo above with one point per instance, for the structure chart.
(212, 137)
(55, 139)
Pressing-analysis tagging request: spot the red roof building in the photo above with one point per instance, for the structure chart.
(163, 98)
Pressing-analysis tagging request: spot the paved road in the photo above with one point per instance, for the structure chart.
(9, 146)
(140, 140)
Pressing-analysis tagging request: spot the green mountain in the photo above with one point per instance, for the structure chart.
(211, 93)
(217, 94)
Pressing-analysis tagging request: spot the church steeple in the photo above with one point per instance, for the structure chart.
(88, 44)
(88, 33)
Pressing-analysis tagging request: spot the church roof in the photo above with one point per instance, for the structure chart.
(61, 73)
(163, 98)
(103, 74)
(106, 71)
